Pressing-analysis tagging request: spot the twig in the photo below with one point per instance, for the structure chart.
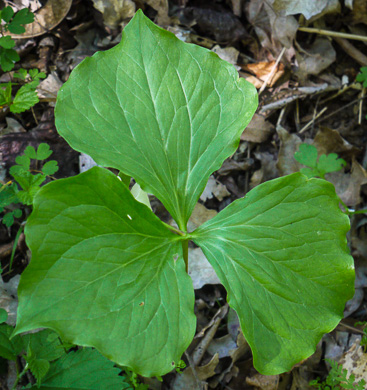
(352, 51)
(312, 121)
(204, 343)
(341, 108)
(361, 107)
(333, 33)
(273, 70)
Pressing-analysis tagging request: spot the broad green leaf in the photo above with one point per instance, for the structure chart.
(81, 370)
(105, 272)
(24, 99)
(160, 110)
(9, 349)
(282, 255)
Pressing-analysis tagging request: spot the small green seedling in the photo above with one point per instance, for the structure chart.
(363, 342)
(27, 181)
(337, 379)
(26, 96)
(52, 367)
(318, 167)
(12, 22)
(168, 114)
(362, 77)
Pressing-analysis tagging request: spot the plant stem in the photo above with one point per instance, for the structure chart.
(333, 33)
(178, 231)
(19, 377)
(185, 251)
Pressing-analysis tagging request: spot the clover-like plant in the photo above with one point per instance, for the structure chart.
(106, 272)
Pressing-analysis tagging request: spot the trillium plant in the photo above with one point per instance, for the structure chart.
(106, 272)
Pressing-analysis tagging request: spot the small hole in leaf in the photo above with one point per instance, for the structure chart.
(175, 257)
(129, 217)
(173, 364)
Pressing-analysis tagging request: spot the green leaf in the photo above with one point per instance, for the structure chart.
(3, 315)
(7, 42)
(24, 99)
(106, 272)
(8, 219)
(5, 94)
(6, 14)
(45, 345)
(24, 161)
(282, 255)
(43, 151)
(83, 369)
(160, 110)
(30, 152)
(7, 59)
(39, 368)
(35, 74)
(307, 155)
(24, 16)
(9, 349)
(362, 77)
(330, 163)
(21, 74)
(50, 167)
(8, 195)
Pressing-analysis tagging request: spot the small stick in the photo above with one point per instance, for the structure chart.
(361, 107)
(273, 70)
(333, 33)
(342, 108)
(352, 51)
(312, 121)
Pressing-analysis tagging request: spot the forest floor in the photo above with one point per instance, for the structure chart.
(306, 78)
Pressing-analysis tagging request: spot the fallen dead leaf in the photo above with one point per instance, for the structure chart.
(46, 18)
(9, 298)
(200, 269)
(314, 59)
(330, 141)
(267, 171)
(199, 215)
(348, 185)
(355, 362)
(289, 144)
(115, 11)
(264, 382)
(258, 130)
(214, 188)
(293, 7)
(263, 69)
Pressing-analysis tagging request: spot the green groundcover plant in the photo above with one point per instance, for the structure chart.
(106, 272)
